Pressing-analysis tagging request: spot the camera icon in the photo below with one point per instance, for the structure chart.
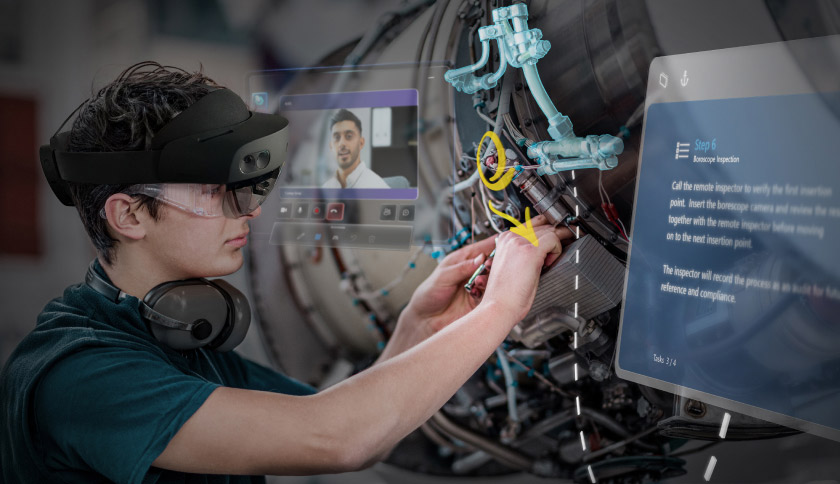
(259, 99)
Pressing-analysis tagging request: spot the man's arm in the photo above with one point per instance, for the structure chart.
(348, 425)
(342, 428)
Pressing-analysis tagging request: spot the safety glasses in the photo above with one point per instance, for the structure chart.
(233, 200)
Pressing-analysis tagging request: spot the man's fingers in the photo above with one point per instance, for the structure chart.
(459, 272)
(564, 233)
(549, 242)
(539, 220)
(470, 251)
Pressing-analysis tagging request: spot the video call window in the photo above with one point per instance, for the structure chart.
(363, 145)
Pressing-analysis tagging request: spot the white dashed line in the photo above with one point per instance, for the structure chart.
(583, 442)
(591, 475)
(576, 372)
(710, 468)
(724, 426)
(577, 402)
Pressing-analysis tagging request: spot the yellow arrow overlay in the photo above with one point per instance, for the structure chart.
(526, 230)
(500, 181)
(506, 176)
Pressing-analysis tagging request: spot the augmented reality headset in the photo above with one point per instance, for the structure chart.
(216, 140)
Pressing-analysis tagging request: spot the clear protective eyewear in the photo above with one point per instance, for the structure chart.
(232, 200)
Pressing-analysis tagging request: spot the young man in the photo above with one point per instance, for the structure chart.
(346, 143)
(93, 394)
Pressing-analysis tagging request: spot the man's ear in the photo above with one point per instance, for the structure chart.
(361, 142)
(125, 216)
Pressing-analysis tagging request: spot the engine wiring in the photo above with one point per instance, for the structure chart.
(534, 421)
(609, 208)
(504, 124)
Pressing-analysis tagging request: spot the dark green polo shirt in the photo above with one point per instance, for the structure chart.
(90, 396)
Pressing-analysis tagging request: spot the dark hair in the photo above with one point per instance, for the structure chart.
(345, 115)
(124, 116)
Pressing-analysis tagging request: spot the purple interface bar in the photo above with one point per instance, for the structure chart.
(336, 100)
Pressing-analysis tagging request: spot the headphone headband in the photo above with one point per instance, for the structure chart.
(221, 334)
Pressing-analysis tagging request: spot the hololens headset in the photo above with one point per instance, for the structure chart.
(216, 140)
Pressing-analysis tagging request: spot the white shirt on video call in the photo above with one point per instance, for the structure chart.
(360, 177)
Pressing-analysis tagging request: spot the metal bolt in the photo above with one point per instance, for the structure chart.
(695, 409)
(528, 122)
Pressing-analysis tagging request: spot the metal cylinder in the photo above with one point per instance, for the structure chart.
(545, 200)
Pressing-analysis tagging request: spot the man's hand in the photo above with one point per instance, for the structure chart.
(441, 298)
(515, 269)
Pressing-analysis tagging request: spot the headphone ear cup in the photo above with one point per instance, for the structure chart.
(193, 301)
(240, 313)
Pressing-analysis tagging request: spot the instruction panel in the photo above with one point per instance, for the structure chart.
(733, 286)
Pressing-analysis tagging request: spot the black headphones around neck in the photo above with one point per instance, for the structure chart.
(188, 314)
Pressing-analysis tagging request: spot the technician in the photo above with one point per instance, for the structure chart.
(128, 378)
(346, 143)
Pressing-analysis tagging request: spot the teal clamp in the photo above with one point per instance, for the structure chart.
(457, 240)
(590, 152)
(624, 132)
(464, 79)
(517, 45)
(522, 48)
